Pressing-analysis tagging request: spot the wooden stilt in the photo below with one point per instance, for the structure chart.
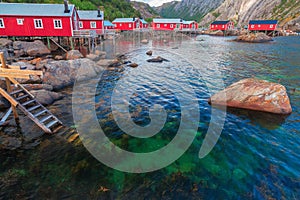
(48, 42)
(8, 85)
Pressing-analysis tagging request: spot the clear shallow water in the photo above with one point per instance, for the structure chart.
(256, 156)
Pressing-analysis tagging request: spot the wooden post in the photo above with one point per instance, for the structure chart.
(71, 42)
(48, 42)
(8, 85)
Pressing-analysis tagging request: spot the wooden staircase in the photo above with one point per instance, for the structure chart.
(34, 110)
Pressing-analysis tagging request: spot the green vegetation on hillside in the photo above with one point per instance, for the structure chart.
(112, 8)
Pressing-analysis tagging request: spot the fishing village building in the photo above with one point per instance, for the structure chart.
(145, 24)
(24, 19)
(108, 25)
(167, 24)
(189, 25)
(262, 25)
(127, 24)
(222, 25)
(92, 20)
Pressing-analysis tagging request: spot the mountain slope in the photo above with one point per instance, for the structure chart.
(188, 9)
(145, 9)
(244, 10)
(112, 8)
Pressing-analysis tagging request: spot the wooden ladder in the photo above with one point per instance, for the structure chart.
(40, 115)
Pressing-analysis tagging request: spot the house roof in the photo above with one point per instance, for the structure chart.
(125, 20)
(188, 22)
(160, 20)
(90, 14)
(143, 21)
(263, 21)
(220, 22)
(31, 9)
(108, 23)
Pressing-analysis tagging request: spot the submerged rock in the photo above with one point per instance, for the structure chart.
(144, 41)
(157, 59)
(254, 94)
(149, 53)
(254, 38)
(133, 65)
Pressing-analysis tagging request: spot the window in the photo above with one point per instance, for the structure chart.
(223, 26)
(93, 24)
(252, 26)
(38, 23)
(271, 26)
(57, 24)
(165, 25)
(1, 23)
(20, 21)
(157, 25)
(213, 26)
(80, 25)
(129, 25)
(259, 26)
(171, 26)
(120, 24)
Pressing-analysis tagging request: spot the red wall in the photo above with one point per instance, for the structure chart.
(262, 27)
(222, 27)
(166, 26)
(125, 25)
(190, 26)
(87, 24)
(28, 29)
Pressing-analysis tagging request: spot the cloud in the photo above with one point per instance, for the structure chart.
(155, 2)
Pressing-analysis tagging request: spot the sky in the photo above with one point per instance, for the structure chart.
(155, 2)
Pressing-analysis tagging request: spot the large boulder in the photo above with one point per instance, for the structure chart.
(254, 94)
(63, 73)
(254, 38)
(5, 42)
(35, 48)
(46, 97)
(73, 54)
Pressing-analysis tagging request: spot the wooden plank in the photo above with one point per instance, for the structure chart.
(9, 75)
(8, 97)
(13, 67)
(22, 72)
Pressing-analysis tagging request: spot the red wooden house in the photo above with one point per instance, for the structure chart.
(222, 25)
(190, 25)
(24, 19)
(108, 25)
(127, 24)
(91, 20)
(167, 24)
(145, 24)
(262, 25)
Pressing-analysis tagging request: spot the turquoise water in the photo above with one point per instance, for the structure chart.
(256, 157)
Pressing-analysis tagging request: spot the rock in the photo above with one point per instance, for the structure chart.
(254, 94)
(46, 97)
(38, 87)
(93, 57)
(217, 33)
(24, 65)
(5, 42)
(144, 41)
(149, 53)
(107, 62)
(35, 48)
(10, 143)
(63, 73)
(254, 38)
(73, 54)
(157, 59)
(101, 54)
(133, 65)
(35, 61)
(58, 57)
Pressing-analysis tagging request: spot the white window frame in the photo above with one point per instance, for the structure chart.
(258, 25)
(271, 26)
(40, 25)
(2, 23)
(80, 24)
(165, 25)
(120, 24)
(157, 25)
(93, 24)
(252, 26)
(20, 21)
(129, 25)
(223, 26)
(171, 25)
(59, 23)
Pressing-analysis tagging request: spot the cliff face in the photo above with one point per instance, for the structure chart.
(188, 9)
(145, 10)
(286, 11)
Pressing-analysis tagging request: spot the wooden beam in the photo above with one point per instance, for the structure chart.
(13, 67)
(13, 75)
(21, 72)
(13, 102)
